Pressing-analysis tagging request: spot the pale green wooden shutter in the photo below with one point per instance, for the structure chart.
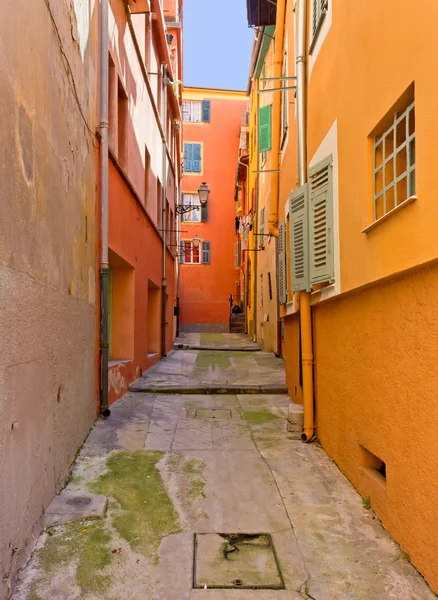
(282, 279)
(321, 222)
(182, 252)
(262, 227)
(299, 238)
(237, 254)
(265, 128)
(206, 111)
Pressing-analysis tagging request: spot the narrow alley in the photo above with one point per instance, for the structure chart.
(194, 488)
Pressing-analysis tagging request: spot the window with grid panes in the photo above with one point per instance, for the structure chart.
(193, 216)
(192, 111)
(394, 163)
(190, 254)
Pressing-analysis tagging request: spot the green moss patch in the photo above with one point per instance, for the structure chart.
(144, 513)
(86, 544)
(192, 470)
(259, 417)
(213, 359)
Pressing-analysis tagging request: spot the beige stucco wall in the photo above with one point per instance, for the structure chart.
(47, 260)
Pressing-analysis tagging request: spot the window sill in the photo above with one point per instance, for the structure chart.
(389, 214)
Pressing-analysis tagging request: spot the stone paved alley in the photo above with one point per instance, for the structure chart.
(173, 465)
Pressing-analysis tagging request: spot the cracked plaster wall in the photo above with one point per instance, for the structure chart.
(47, 260)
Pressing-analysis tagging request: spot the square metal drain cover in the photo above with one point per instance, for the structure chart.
(213, 413)
(236, 560)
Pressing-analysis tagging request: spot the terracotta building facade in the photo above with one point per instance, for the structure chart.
(144, 180)
(209, 272)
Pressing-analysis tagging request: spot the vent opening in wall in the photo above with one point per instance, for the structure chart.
(372, 465)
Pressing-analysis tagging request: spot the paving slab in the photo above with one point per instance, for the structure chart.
(169, 476)
(74, 506)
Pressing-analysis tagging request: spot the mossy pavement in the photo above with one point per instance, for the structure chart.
(169, 475)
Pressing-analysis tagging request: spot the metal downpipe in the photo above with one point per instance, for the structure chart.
(104, 266)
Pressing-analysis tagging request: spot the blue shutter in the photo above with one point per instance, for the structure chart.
(205, 253)
(206, 111)
(188, 158)
(181, 252)
(196, 158)
(204, 213)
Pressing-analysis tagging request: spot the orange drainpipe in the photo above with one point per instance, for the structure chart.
(304, 297)
(276, 118)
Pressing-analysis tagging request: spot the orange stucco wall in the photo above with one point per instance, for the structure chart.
(133, 238)
(375, 339)
(376, 377)
(204, 289)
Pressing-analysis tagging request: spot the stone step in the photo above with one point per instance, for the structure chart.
(149, 388)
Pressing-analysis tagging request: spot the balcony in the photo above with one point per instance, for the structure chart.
(261, 13)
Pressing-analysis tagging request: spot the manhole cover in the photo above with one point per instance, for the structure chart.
(79, 501)
(213, 413)
(236, 560)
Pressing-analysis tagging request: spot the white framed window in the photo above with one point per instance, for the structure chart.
(192, 111)
(394, 163)
(189, 255)
(193, 216)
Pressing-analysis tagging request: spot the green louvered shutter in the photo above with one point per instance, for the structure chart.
(205, 253)
(265, 128)
(188, 158)
(262, 227)
(299, 238)
(282, 279)
(321, 222)
(181, 252)
(206, 110)
(196, 158)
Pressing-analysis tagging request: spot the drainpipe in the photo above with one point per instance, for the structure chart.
(304, 297)
(104, 266)
(256, 208)
(276, 118)
(166, 82)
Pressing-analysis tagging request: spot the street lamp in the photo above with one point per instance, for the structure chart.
(196, 241)
(203, 193)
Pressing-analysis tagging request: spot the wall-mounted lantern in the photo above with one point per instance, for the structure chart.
(203, 193)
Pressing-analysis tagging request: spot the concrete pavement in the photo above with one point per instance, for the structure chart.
(211, 490)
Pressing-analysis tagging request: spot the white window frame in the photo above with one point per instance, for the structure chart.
(192, 111)
(193, 216)
(387, 167)
(191, 261)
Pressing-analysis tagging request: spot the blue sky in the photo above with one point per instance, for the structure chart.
(217, 44)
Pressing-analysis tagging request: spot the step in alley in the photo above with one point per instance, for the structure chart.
(210, 497)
